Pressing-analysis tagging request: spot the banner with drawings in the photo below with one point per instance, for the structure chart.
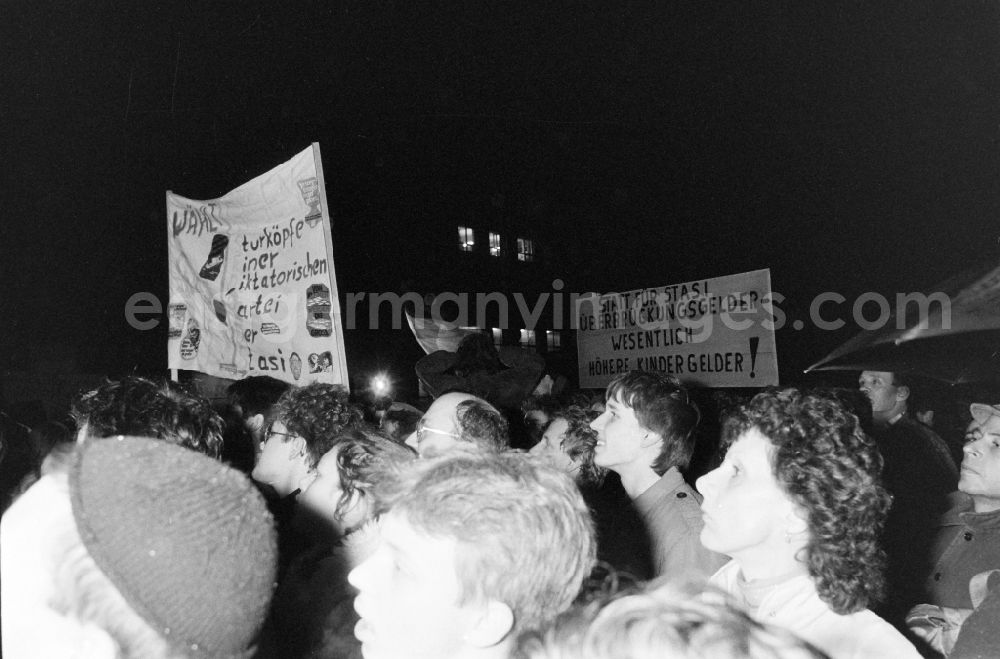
(252, 286)
(715, 332)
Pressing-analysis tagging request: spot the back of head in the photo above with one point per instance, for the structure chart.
(666, 622)
(365, 459)
(191, 548)
(524, 533)
(401, 421)
(257, 394)
(661, 404)
(482, 424)
(141, 407)
(476, 353)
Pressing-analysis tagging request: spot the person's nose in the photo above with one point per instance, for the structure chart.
(971, 446)
(706, 484)
(598, 423)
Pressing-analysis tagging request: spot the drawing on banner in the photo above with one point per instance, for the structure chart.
(219, 306)
(310, 194)
(715, 332)
(320, 363)
(191, 340)
(176, 313)
(265, 292)
(216, 255)
(318, 305)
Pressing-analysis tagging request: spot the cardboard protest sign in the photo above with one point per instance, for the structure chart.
(715, 332)
(252, 286)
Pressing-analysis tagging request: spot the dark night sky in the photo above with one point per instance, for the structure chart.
(848, 146)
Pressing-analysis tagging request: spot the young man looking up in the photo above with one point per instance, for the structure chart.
(646, 436)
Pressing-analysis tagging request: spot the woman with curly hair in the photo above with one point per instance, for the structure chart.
(798, 504)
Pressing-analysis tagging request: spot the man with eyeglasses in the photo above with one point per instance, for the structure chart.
(456, 419)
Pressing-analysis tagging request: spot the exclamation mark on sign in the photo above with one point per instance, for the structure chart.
(754, 342)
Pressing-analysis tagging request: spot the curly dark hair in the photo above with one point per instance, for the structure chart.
(141, 407)
(579, 441)
(318, 413)
(482, 424)
(364, 458)
(827, 465)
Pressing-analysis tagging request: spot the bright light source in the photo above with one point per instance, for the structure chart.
(380, 385)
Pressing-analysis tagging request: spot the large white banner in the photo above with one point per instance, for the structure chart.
(715, 332)
(252, 286)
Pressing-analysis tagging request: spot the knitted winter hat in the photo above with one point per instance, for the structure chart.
(187, 541)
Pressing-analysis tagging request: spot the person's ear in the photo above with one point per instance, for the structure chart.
(490, 625)
(651, 439)
(255, 423)
(796, 524)
(296, 448)
(902, 393)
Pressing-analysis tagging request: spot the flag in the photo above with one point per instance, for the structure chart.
(432, 335)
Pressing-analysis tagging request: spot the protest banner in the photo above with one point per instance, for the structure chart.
(252, 285)
(715, 332)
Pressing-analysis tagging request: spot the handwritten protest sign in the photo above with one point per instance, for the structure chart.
(715, 332)
(252, 286)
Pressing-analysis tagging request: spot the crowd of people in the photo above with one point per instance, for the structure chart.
(500, 522)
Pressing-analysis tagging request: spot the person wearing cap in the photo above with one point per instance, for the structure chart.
(142, 549)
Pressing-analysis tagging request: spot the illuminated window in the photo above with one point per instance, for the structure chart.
(497, 336)
(527, 338)
(554, 340)
(466, 239)
(525, 249)
(494, 244)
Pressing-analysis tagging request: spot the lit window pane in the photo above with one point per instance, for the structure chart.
(525, 249)
(554, 340)
(494, 244)
(466, 239)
